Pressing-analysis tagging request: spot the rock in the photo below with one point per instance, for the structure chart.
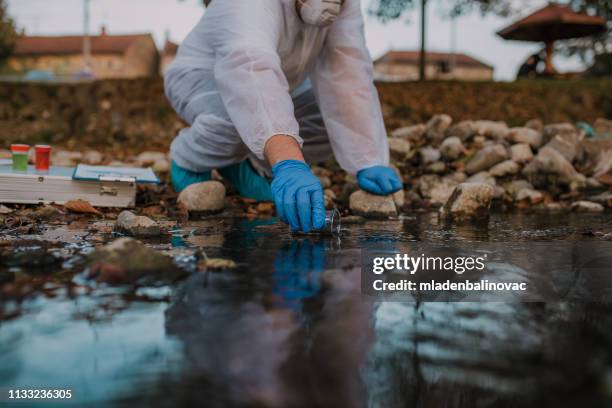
(479, 140)
(429, 155)
(468, 201)
(464, 130)
(162, 166)
(604, 199)
(325, 181)
(207, 197)
(146, 159)
(93, 157)
(45, 213)
(548, 161)
(535, 124)
(330, 198)
(452, 148)
(521, 153)
(372, 206)
(553, 207)
(437, 127)
(486, 158)
(436, 189)
(321, 171)
(127, 260)
(604, 164)
(5, 210)
(436, 167)
(554, 129)
(525, 135)
(505, 168)
(65, 158)
(603, 127)
(353, 219)
(458, 176)
(411, 133)
(566, 143)
(138, 226)
(119, 163)
(491, 129)
(593, 184)
(533, 196)
(399, 198)
(586, 206)
(399, 148)
(482, 177)
(515, 186)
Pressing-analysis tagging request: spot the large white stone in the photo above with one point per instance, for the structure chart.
(208, 196)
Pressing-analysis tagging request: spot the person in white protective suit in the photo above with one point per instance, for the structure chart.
(278, 84)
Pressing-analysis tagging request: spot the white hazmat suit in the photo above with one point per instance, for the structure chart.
(250, 70)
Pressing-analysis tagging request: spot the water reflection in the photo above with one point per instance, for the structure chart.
(289, 327)
(270, 334)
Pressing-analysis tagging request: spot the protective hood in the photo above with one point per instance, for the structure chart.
(319, 13)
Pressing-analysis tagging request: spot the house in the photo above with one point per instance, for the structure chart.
(112, 56)
(404, 66)
(167, 56)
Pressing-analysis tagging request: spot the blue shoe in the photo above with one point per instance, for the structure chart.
(182, 178)
(247, 181)
(242, 176)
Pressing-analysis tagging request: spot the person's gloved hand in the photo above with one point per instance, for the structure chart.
(298, 196)
(380, 180)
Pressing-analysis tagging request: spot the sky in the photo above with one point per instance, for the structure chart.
(475, 34)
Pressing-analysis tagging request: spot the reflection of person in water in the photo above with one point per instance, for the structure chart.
(529, 69)
(287, 328)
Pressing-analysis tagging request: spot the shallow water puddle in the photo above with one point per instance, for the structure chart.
(289, 325)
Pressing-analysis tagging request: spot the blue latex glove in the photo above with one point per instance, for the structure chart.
(297, 273)
(298, 196)
(379, 180)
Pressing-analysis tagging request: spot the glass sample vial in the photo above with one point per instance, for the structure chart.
(332, 222)
(20, 157)
(43, 153)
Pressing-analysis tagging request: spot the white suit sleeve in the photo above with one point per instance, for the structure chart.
(343, 83)
(248, 71)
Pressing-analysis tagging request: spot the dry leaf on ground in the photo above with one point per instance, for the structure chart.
(81, 206)
(216, 263)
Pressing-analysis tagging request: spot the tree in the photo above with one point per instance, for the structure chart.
(387, 10)
(596, 50)
(8, 33)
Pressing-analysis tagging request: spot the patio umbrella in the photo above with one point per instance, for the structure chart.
(551, 23)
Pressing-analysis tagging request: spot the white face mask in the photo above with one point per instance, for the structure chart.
(319, 13)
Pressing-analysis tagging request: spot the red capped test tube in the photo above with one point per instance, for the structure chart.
(43, 157)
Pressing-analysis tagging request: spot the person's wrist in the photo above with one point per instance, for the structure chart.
(289, 163)
(282, 147)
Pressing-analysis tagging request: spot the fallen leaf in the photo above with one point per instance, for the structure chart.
(265, 208)
(81, 206)
(216, 263)
(153, 210)
(605, 178)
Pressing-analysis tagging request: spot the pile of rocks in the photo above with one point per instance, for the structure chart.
(533, 166)
(476, 163)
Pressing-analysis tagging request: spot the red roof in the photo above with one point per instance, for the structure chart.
(553, 22)
(73, 44)
(412, 57)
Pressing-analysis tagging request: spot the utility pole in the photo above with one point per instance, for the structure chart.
(423, 59)
(453, 62)
(86, 38)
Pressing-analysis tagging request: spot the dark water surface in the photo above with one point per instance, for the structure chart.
(290, 327)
